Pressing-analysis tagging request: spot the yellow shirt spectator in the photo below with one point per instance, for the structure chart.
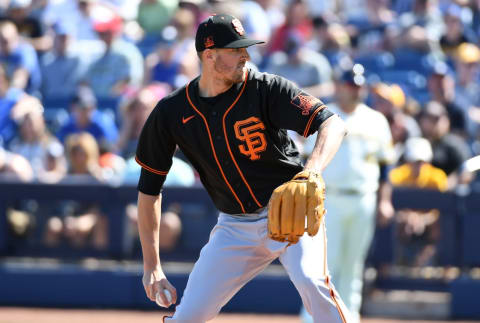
(417, 171)
(419, 174)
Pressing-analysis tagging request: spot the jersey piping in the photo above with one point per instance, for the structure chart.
(158, 172)
(228, 145)
(327, 277)
(312, 117)
(213, 149)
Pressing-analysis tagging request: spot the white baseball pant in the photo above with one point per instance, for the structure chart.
(351, 224)
(238, 250)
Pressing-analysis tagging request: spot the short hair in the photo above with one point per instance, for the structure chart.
(84, 97)
(434, 108)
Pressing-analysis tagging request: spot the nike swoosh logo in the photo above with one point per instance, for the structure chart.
(185, 120)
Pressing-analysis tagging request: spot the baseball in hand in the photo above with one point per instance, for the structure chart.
(159, 300)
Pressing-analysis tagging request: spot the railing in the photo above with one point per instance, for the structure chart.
(459, 220)
(198, 215)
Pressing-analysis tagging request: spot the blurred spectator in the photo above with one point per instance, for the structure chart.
(467, 61)
(55, 166)
(84, 221)
(83, 156)
(28, 26)
(121, 64)
(352, 9)
(77, 15)
(19, 58)
(82, 224)
(255, 20)
(14, 167)
(474, 6)
(467, 89)
(180, 174)
(8, 99)
(449, 150)
(331, 39)
(379, 12)
(134, 114)
(175, 60)
(390, 100)
(33, 138)
(127, 9)
(184, 48)
(297, 21)
(154, 15)
(419, 29)
(321, 8)
(113, 166)
(275, 11)
(367, 30)
(60, 67)
(417, 231)
(170, 226)
(417, 170)
(441, 87)
(198, 7)
(455, 33)
(86, 117)
(37, 10)
(310, 70)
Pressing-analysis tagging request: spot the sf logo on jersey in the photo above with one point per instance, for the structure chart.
(248, 130)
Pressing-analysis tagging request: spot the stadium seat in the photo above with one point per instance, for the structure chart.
(411, 60)
(410, 79)
(376, 63)
(55, 118)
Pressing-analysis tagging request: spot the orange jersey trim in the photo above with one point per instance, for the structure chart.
(307, 128)
(325, 266)
(334, 298)
(228, 145)
(158, 172)
(327, 278)
(213, 149)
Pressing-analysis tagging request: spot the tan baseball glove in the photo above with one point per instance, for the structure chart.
(291, 202)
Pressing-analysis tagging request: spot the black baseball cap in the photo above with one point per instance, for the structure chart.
(222, 31)
(354, 76)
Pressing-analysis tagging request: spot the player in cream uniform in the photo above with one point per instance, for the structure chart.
(357, 188)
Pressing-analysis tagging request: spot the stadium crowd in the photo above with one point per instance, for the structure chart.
(78, 78)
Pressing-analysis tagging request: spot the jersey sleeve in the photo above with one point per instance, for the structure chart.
(293, 109)
(155, 150)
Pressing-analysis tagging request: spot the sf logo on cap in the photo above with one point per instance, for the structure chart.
(209, 42)
(238, 26)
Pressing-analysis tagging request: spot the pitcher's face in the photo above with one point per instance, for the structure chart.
(229, 64)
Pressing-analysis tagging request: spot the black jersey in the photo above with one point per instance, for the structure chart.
(238, 145)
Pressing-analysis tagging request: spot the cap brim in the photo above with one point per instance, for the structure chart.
(241, 43)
